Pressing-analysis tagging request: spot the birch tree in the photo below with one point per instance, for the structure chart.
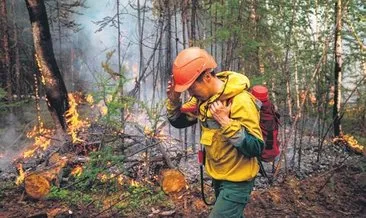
(337, 69)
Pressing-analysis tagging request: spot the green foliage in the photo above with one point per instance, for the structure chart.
(74, 197)
(99, 164)
(109, 91)
(257, 80)
(141, 199)
(154, 114)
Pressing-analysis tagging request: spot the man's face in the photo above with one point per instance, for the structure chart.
(200, 90)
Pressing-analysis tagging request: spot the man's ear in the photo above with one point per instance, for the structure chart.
(207, 76)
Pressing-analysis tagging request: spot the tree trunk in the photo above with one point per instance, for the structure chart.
(297, 93)
(140, 28)
(254, 62)
(193, 23)
(184, 23)
(6, 55)
(16, 53)
(337, 69)
(168, 60)
(56, 92)
(59, 30)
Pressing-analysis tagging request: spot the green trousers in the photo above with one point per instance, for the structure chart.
(231, 198)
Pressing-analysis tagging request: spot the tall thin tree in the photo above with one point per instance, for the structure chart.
(337, 69)
(56, 92)
(5, 42)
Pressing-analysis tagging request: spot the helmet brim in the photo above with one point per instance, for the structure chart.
(182, 88)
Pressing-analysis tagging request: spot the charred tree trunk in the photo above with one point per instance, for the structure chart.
(6, 49)
(56, 92)
(337, 69)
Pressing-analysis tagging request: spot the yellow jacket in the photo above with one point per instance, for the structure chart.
(224, 144)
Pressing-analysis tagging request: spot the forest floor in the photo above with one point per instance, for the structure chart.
(334, 186)
(337, 192)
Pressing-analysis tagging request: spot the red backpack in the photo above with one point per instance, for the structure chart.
(269, 123)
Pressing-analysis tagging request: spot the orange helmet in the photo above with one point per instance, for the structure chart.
(188, 65)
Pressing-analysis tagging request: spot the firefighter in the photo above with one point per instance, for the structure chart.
(229, 119)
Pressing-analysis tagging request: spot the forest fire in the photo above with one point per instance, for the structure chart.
(134, 183)
(103, 177)
(89, 98)
(42, 139)
(350, 142)
(42, 136)
(120, 179)
(75, 124)
(77, 171)
(21, 176)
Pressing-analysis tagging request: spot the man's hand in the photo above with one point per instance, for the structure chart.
(172, 95)
(220, 112)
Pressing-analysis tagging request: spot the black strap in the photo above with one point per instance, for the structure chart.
(203, 188)
(263, 172)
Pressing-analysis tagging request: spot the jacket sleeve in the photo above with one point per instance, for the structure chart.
(246, 143)
(243, 130)
(176, 117)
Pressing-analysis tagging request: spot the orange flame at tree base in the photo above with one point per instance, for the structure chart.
(75, 124)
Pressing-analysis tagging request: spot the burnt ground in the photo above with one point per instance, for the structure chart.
(337, 192)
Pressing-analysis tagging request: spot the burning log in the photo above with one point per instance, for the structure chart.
(172, 181)
(36, 186)
(38, 183)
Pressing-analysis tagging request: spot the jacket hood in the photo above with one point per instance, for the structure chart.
(234, 83)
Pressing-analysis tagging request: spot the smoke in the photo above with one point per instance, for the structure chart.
(93, 43)
(9, 134)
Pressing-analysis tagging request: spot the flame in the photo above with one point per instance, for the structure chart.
(134, 183)
(350, 142)
(77, 171)
(120, 179)
(89, 98)
(103, 110)
(101, 107)
(75, 125)
(150, 133)
(135, 70)
(21, 176)
(42, 139)
(102, 177)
